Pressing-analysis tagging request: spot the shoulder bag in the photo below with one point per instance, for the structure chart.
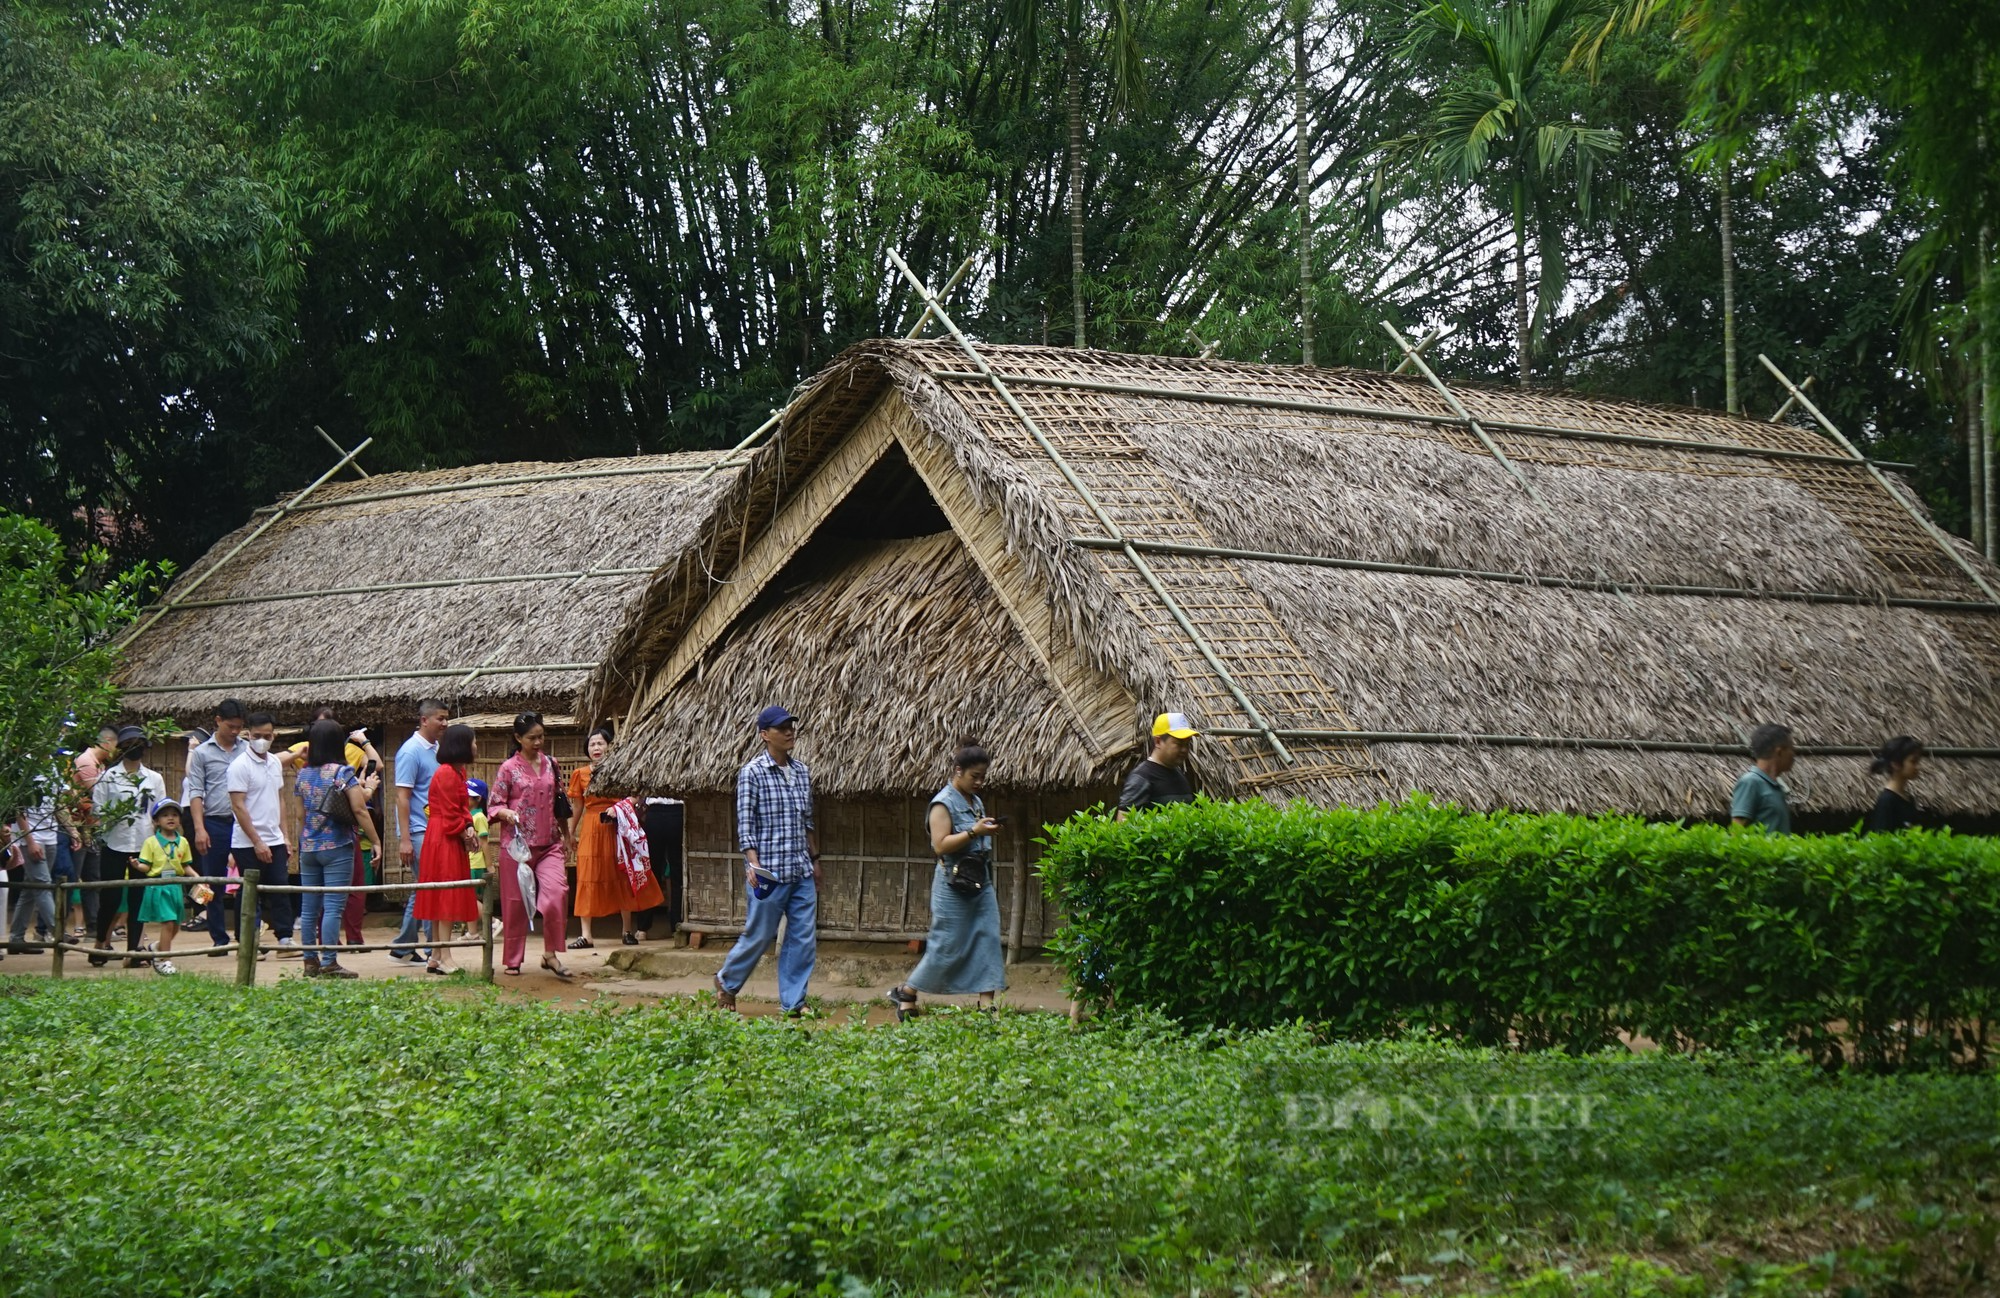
(562, 805)
(334, 805)
(970, 873)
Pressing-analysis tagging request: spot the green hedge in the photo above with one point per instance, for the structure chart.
(1542, 930)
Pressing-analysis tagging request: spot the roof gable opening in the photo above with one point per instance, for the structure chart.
(890, 503)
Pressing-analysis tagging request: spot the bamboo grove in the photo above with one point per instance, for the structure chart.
(553, 228)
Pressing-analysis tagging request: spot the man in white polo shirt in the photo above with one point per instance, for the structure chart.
(258, 840)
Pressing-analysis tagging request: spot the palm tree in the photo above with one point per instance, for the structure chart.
(1114, 21)
(1489, 122)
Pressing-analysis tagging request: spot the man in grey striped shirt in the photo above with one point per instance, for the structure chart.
(209, 815)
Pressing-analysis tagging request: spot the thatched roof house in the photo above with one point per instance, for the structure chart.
(1589, 612)
(495, 587)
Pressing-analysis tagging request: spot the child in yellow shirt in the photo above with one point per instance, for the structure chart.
(165, 854)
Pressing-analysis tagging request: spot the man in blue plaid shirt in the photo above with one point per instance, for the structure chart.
(774, 827)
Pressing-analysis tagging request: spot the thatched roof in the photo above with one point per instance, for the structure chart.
(493, 558)
(1709, 631)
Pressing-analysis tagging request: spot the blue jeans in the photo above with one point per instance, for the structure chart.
(406, 937)
(42, 901)
(214, 865)
(319, 912)
(797, 903)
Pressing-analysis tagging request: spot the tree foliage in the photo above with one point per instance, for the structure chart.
(56, 651)
(550, 228)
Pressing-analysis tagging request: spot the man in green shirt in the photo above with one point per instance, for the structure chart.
(1760, 799)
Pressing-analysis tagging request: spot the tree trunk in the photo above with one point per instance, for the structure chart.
(1299, 102)
(1975, 463)
(1521, 297)
(1729, 397)
(1075, 97)
(1989, 387)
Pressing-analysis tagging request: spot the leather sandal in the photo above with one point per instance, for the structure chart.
(582, 944)
(555, 968)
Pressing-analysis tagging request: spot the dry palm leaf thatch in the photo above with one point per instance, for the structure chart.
(493, 557)
(889, 652)
(1759, 576)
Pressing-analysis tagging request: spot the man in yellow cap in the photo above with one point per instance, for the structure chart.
(1161, 778)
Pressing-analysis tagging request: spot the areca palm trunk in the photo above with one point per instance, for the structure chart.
(1075, 98)
(1299, 101)
(1521, 323)
(1729, 398)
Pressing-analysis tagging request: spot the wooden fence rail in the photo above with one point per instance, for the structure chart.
(251, 886)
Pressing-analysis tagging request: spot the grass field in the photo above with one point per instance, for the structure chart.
(183, 1137)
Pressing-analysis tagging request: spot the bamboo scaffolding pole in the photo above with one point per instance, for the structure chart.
(328, 439)
(1930, 528)
(280, 512)
(1737, 749)
(1492, 446)
(387, 587)
(1393, 415)
(1423, 345)
(511, 480)
(1104, 518)
(1791, 401)
(1528, 579)
(414, 673)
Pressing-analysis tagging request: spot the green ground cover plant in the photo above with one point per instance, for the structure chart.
(1537, 930)
(190, 1137)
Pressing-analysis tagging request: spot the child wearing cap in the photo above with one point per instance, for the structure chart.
(165, 854)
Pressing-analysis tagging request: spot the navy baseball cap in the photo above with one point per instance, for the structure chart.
(773, 717)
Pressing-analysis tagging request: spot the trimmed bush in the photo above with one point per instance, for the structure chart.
(1545, 931)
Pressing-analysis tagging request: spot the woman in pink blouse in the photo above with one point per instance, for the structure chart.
(522, 803)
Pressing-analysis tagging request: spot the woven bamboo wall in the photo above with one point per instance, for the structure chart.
(876, 866)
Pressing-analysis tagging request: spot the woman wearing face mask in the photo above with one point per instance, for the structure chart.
(522, 803)
(602, 888)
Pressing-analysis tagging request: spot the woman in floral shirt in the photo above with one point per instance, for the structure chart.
(522, 803)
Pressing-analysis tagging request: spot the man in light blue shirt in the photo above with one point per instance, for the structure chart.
(416, 763)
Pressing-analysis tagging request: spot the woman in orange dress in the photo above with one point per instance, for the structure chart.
(448, 844)
(602, 888)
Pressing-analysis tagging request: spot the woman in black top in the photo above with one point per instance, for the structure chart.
(1899, 761)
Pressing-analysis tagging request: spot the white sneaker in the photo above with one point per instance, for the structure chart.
(164, 967)
(288, 949)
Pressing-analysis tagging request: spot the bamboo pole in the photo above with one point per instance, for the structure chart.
(328, 439)
(414, 673)
(248, 924)
(383, 588)
(1492, 446)
(62, 932)
(1018, 918)
(238, 548)
(489, 895)
(1778, 415)
(1411, 417)
(1529, 579)
(1930, 528)
(1110, 525)
(511, 480)
(1423, 345)
(1475, 739)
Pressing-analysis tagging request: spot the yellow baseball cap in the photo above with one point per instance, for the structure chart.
(1175, 724)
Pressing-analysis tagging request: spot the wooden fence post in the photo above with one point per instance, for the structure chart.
(247, 924)
(62, 931)
(489, 895)
(1018, 919)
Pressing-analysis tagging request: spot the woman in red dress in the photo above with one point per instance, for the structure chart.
(448, 843)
